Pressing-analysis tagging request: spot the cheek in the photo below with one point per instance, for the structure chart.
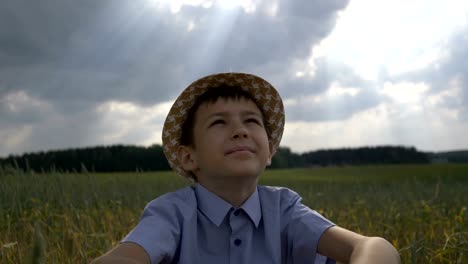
(210, 140)
(263, 138)
(264, 145)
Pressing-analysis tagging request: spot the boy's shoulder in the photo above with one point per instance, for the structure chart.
(183, 193)
(279, 191)
(276, 195)
(182, 199)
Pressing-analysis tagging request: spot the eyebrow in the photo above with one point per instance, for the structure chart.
(243, 113)
(225, 113)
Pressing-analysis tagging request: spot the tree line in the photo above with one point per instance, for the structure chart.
(125, 158)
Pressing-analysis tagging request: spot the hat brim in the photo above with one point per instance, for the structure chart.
(264, 94)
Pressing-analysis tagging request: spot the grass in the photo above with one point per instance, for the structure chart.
(72, 218)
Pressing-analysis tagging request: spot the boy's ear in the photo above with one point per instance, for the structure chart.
(186, 158)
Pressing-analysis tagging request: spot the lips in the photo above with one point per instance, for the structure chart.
(239, 148)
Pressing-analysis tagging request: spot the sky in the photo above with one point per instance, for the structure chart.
(351, 73)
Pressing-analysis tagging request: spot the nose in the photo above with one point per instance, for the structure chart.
(240, 131)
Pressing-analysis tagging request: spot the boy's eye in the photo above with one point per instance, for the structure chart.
(253, 120)
(218, 121)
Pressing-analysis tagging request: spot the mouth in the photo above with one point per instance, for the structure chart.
(239, 150)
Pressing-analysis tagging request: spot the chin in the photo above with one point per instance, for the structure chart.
(245, 172)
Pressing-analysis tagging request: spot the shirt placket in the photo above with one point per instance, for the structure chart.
(239, 224)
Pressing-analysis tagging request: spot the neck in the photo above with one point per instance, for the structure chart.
(235, 191)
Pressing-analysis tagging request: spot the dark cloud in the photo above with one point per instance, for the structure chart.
(447, 72)
(39, 31)
(317, 10)
(456, 66)
(257, 40)
(329, 108)
(54, 131)
(93, 52)
(21, 110)
(333, 108)
(129, 50)
(68, 57)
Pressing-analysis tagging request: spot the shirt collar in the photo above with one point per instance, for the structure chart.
(216, 208)
(252, 208)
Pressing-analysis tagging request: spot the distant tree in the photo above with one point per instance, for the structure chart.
(98, 159)
(134, 158)
(365, 155)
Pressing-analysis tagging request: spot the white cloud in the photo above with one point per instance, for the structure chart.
(175, 5)
(369, 127)
(14, 137)
(405, 92)
(336, 89)
(452, 93)
(417, 61)
(191, 25)
(20, 101)
(112, 122)
(398, 36)
(432, 129)
(125, 122)
(299, 74)
(272, 9)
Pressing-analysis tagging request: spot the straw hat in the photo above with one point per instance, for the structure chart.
(265, 95)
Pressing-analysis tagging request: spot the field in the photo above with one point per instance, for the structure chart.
(72, 218)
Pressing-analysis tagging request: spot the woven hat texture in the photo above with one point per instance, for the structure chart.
(265, 95)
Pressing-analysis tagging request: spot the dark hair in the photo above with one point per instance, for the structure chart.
(211, 96)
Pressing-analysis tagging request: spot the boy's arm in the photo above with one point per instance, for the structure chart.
(124, 253)
(349, 247)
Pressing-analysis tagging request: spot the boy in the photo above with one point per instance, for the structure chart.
(221, 133)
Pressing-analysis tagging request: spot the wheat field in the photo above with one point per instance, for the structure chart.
(72, 218)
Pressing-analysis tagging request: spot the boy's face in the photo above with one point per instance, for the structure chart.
(230, 140)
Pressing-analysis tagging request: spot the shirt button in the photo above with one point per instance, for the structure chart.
(236, 213)
(237, 242)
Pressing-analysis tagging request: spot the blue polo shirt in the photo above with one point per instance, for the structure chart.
(193, 225)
